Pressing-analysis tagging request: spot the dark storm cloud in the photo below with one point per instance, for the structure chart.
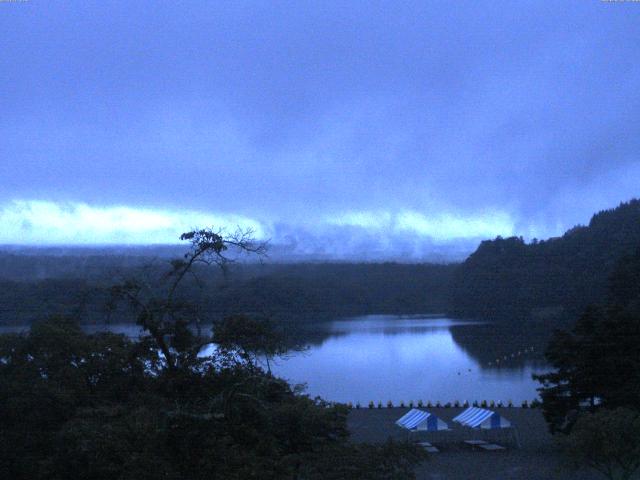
(427, 115)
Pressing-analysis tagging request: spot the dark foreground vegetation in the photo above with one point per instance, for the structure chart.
(591, 399)
(103, 406)
(597, 362)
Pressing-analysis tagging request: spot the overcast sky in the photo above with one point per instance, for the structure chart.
(395, 124)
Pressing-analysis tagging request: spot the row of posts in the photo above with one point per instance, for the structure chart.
(456, 404)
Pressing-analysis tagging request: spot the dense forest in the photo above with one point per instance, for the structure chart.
(546, 281)
(32, 287)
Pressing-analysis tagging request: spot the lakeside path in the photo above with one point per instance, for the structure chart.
(537, 459)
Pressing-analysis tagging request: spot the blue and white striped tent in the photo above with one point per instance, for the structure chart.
(420, 420)
(475, 417)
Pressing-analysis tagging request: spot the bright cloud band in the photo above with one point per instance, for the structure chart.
(45, 222)
(29, 222)
(439, 227)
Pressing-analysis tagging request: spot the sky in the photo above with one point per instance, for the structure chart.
(339, 128)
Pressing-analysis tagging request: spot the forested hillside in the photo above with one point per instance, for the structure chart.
(280, 291)
(546, 281)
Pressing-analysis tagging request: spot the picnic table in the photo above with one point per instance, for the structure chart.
(490, 447)
(475, 443)
(428, 447)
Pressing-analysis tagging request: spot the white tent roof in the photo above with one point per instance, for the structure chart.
(420, 420)
(475, 417)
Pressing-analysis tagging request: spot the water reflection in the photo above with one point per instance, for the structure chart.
(503, 346)
(383, 358)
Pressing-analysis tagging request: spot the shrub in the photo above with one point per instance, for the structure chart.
(607, 441)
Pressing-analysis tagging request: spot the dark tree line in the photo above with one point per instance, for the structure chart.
(546, 281)
(591, 398)
(282, 292)
(597, 362)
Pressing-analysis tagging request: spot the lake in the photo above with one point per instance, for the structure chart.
(383, 357)
(402, 358)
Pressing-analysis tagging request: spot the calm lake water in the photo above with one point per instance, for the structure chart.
(403, 358)
(382, 358)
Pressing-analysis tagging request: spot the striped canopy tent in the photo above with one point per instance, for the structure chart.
(419, 420)
(475, 417)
